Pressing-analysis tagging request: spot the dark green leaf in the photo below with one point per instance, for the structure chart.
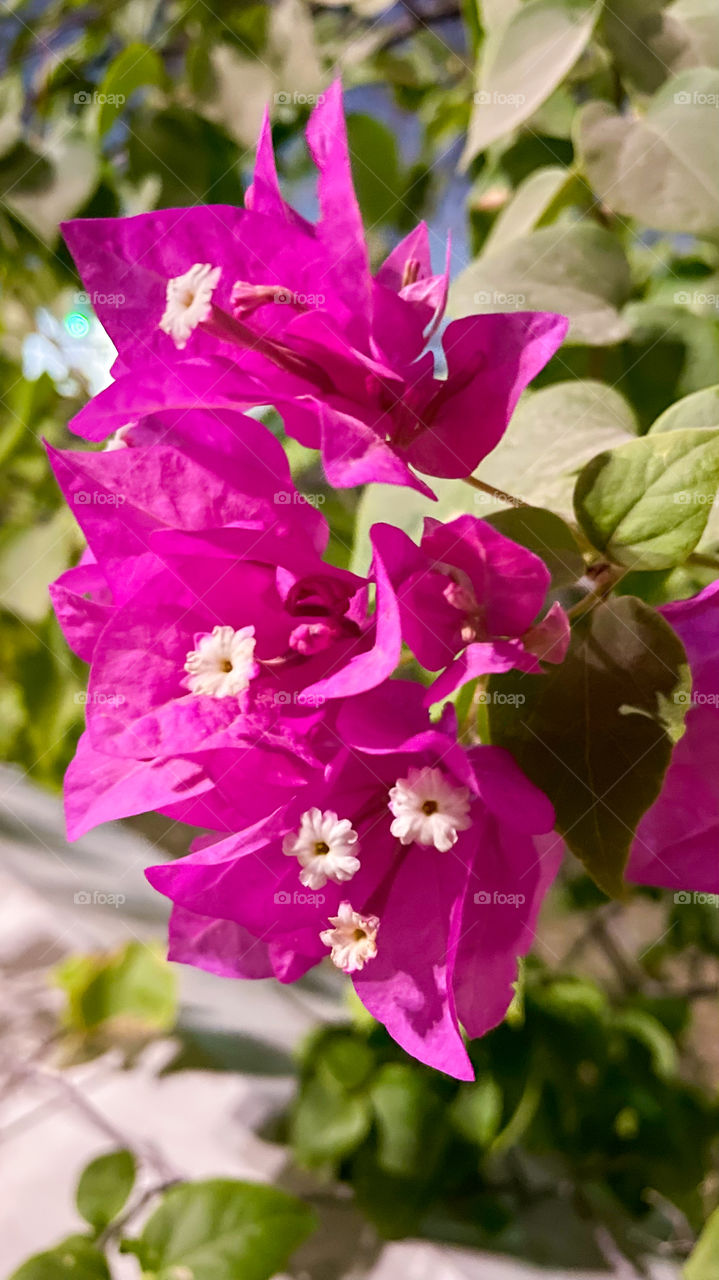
(596, 733)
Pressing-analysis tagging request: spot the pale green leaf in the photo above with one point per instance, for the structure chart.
(523, 61)
(662, 167)
(646, 504)
(579, 270)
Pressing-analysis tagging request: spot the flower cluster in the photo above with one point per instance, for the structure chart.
(242, 683)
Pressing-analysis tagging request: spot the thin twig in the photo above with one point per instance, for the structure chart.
(499, 494)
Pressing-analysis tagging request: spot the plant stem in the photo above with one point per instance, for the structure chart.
(499, 494)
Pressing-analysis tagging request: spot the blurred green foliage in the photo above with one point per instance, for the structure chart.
(579, 1115)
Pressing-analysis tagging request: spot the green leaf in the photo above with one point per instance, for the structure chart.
(328, 1123)
(700, 409)
(221, 1230)
(580, 271)
(126, 995)
(375, 168)
(523, 61)
(409, 1119)
(547, 535)
(661, 168)
(73, 1259)
(592, 732)
(536, 201)
(645, 40)
(645, 1028)
(646, 504)
(137, 66)
(104, 1187)
(703, 1263)
(477, 1110)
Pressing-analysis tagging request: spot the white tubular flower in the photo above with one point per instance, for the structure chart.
(223, 663)
(325, 847)
(428, 809)
(353, 939)
(188, 301)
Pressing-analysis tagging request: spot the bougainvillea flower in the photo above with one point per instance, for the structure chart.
(678, 838)
(240, 477)
(411, 863)
(286, 312)
(468, 600)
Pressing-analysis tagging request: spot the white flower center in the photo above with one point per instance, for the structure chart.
(120, 439)
(188, 301)
(223, 663)
(325, 847)
(428, 809)
(353, 939)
